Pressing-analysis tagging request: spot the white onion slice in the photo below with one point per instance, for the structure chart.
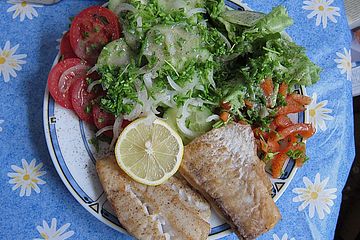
(228, 57)
(191, 85)
(104, 129)
(211, 78)
(154, 110)
(139, 108)
(138, 84)
(181, 122)
(93, 69)
(148, 80)
(145, 69)
(139, 22)
(228, 44)
(93, 84)
(173, 84)
(195, 11)
(214, 117)
(124, 7)
(70, 74)
(135, 113)
(116, 130)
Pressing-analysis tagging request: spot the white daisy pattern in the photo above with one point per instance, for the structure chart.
(23, 9)
(318, 114)
(27, 177)
(344, 63)
(9, 62)
(316, 196)
(52, 233)
(284, 237)
(1, 122)
(323, 11)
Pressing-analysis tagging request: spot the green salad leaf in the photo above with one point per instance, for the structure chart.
(200, 51)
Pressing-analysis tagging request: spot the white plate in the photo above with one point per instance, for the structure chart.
(74, 158)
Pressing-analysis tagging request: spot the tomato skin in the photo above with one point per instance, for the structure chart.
(102, 119)
(62, 98)
(66, 50)
(91, 30)
(81, 100)
(125, 123)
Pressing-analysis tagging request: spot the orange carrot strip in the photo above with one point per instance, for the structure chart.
(301, 99)
(224, 116)
(267, 86)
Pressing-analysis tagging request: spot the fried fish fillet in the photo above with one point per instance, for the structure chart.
(223, 165)
(168, 211)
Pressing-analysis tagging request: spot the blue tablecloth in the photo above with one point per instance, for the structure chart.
(36, 204)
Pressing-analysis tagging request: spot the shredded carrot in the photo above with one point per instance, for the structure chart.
(260, 134)
(267, 86)
(224, 116)
(290, 108)
(283, 89)
(248, 103)
(301, 99)
(283, 121)
(306, 130)
(225, 105)
(277, 164)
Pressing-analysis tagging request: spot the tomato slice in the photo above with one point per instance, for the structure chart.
(125, 123)
(81, 100)
(66, 50)
(103, 119)
(63, 98)
(91, 30)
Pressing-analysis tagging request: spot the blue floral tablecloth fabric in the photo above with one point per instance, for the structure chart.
(35, 203)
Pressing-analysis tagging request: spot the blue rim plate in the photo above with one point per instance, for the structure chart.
(74, 158)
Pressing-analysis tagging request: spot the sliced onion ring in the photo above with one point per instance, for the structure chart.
(70, 74)
(93, 84)
(194, 11)
(214, 117)
(124, 7)
(116, 130)
(102, 130)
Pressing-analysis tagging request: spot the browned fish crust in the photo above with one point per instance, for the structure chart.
(169, 211)
(223, 165)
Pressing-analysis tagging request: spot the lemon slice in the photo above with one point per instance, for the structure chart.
(149, 151)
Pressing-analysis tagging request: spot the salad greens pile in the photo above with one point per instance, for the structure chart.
(182, 59)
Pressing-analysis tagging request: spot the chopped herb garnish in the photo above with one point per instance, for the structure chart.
(100, 120)
(88, 108)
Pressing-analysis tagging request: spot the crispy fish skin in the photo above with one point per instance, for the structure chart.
(222, 164)
(168, 211)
